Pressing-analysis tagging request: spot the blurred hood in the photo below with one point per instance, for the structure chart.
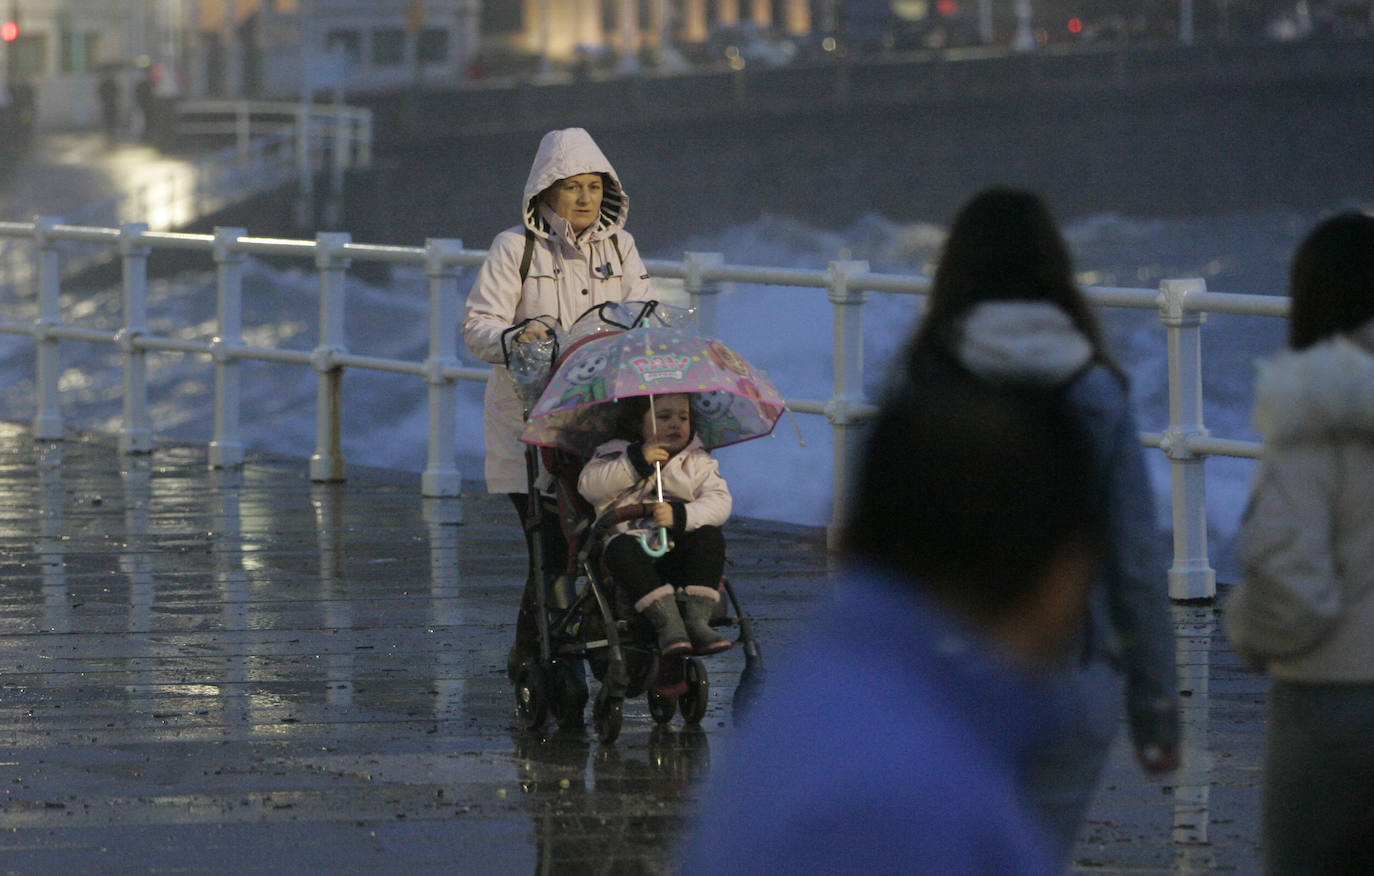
(1034, 341)
(1324, 392)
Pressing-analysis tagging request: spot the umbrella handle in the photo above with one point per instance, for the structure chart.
(662, 531)
(662, 547)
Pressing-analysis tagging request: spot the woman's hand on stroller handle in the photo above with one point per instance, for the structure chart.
(534, 330)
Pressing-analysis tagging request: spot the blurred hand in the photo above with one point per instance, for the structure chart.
(1156, 760)
(663, 515)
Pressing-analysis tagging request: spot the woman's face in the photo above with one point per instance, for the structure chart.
(668, 422)
(577, 199)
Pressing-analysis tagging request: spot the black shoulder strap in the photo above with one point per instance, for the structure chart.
(525, 259)
(529, 253)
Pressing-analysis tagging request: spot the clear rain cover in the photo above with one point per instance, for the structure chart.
(531, 364)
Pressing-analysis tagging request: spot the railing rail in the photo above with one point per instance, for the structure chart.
(1182, 305)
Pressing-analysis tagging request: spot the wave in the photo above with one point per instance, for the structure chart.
(787, 332)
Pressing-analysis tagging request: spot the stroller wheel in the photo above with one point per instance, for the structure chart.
(662, 708)
(693, 701)
(606, 716)
(568, 695)
(531, 695)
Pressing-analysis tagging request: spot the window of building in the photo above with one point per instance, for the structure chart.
(29, 54)
(502, 18)
(349, 41)
(432, 47)
(388, 47)
(78, 51)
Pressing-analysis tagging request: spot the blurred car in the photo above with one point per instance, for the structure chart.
(1306, 19)
(745, 44)
(934, 31)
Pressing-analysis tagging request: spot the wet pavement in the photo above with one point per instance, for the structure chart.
(243, 671)
(81, 176)
(246, 672)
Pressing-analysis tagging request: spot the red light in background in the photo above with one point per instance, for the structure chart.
(947, 7)
(9, 31)
(1075, 25)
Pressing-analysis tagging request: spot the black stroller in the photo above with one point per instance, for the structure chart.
(581, 616)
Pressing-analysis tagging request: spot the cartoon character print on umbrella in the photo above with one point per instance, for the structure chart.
(586, 377)
(727, 358)
(574, 413)
(714, 421)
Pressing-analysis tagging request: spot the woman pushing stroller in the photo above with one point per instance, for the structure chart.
(656, 439)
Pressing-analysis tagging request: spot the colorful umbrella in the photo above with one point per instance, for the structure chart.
(731, 400)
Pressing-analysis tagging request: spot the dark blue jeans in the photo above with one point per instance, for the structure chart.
(697, 559)
(1318, 775)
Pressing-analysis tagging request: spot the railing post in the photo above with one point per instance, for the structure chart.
(243, 130)
(1191, 576)
(364, 134)
(849, 378)
(327, 464)
(441, 476)
(47, 421)
(703, 293)
(305, 172)
(136, 435)
(341, 152)
(226, 448)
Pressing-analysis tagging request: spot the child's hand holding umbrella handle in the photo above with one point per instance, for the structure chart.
(655, 453)
(663, 515)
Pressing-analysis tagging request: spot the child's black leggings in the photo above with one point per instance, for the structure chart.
(697, 559)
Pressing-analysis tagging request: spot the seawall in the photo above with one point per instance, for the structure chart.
(1150, 132)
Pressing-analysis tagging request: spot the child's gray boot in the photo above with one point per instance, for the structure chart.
(660, 607)
(697, 609)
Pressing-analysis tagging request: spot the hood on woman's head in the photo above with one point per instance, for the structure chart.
(569, 152)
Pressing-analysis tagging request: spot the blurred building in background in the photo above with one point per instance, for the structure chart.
(54, 53)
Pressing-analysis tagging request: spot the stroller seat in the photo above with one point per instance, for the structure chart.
(580, 615)
(588, 618)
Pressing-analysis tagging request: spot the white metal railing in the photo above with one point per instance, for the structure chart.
(1182, 306)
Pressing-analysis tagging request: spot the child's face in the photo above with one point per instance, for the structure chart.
(668, 422)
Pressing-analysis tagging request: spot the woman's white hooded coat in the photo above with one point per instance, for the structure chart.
(1305, 610)
(567, 275)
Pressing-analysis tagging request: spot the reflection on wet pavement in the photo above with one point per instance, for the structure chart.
(196, 662)
(592, 805)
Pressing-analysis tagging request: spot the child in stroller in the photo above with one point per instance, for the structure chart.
(585, 604)
(657, 433)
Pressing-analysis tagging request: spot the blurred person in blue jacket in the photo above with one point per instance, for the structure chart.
(895, 739)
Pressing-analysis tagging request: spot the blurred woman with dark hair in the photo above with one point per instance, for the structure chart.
(1305, 609)
(892, 738)
(1005, 310)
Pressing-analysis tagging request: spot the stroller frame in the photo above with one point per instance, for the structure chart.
(577, 615)
(580, 619)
